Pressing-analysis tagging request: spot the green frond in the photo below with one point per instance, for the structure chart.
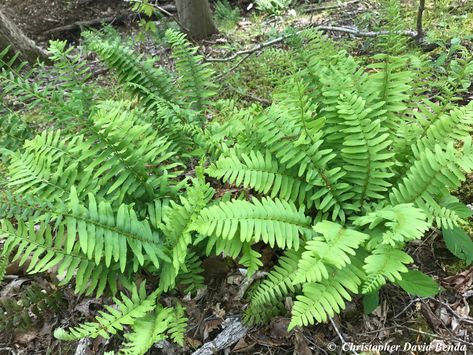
(250, 259)
(128, 310)
(294, 145)
(147, 331)
(277, 285)
(178, 326)
(401, 223)
(109, 235)
(385, 263)
(138, 75)
(275, 222)
(191, 273)
(365, 149)
(332, 250)
(49, 166)
(132, 158)
(262, 173)
(442, 128)
(43, 251)
(431, 175)
(319, 301)
(195, 77)
(391, 83)
(4, 262)
(178, 220)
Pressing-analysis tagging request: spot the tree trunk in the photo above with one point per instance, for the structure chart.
(11, 36)
(196, 17)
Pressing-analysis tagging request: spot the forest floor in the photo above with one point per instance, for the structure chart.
(400, 319)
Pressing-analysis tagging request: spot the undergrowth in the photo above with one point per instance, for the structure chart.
(123, 195)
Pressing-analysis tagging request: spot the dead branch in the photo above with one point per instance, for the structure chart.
(329, 7)
(349, 30)
(234, 331)
(339, 334)
(79, 25)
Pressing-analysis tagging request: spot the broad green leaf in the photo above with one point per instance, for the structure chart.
(459, 243)
(370, 302)
(418, 284)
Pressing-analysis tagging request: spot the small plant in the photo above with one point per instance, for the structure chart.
(226, 16)
(273, 7)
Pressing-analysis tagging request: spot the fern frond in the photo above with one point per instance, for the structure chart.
(277, 284)
(365, 149)
(195, 77)
(43, 251)
(262, 173)
(275, 222)
(177, 226)
(430, 176)
(332, 250)
(402, 222)
(250, 259)
(442, 129)
(147, 330)
(178, 327)
(139, 76)
(128, 310)
(385, 263)
(104, 233)
(294, 145)
(320, 301)
(190, 273)
(132, 159)
(391, 83)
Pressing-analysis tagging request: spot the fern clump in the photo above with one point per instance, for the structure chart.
(330, 145)
(99, 200)
(122, 188)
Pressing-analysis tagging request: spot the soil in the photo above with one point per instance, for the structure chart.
(35, 17)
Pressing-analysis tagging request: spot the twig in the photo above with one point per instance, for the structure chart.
(357, 33)
(349, 30)
(407, 307)
(329, 7)
(340, 336)
(466, 319)
(91, 23)
(224, 74)
(249, 51)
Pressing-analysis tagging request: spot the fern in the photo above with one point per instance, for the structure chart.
(31, 306)
(332, 250)
(322, 300)
(147, 330)
(195, 77)
(385, 263)
(128, 310)
(42, 252)
(267, 220)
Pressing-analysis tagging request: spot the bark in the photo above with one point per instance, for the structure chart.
(11, 36)
(196, 17)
